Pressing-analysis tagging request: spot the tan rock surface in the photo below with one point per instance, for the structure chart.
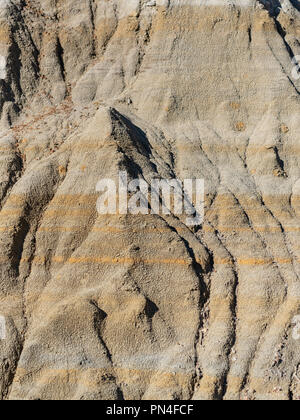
(144, 307)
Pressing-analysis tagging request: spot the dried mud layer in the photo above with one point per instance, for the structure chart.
(144, 307)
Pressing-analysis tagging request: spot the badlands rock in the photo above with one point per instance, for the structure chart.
(144, 307)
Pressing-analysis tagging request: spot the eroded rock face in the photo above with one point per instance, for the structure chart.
(144, 307)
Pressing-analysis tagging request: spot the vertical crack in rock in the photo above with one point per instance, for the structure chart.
(60, 55)
(92, 13)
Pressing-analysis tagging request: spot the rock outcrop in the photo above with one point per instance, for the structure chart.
(146, 307)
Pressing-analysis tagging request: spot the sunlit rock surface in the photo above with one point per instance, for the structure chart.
(144, 307)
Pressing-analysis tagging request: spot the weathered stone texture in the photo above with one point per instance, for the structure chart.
(143, 307)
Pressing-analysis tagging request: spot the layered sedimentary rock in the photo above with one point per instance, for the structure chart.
(144, 306)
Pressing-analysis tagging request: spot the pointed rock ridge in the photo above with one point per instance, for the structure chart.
(144, 306)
